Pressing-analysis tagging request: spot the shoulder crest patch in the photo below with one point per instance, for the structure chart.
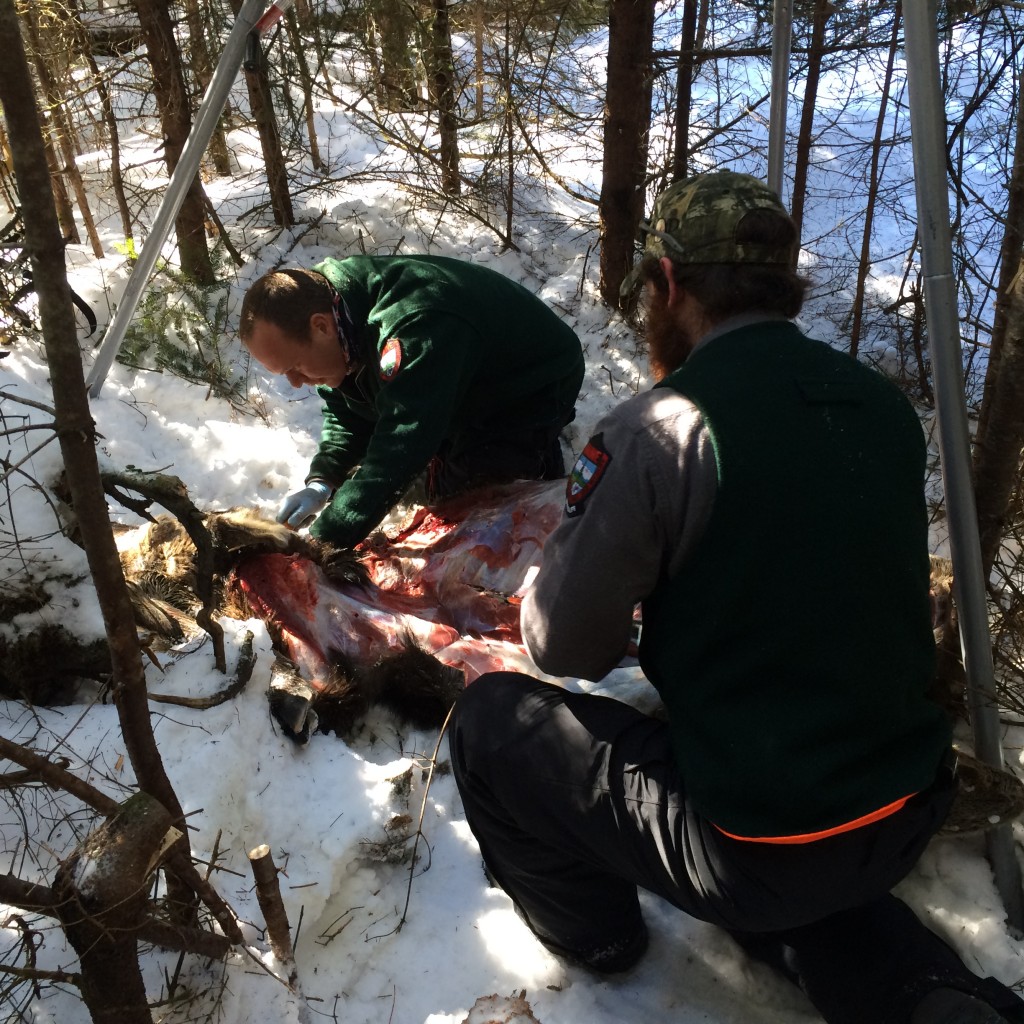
(586, 475)
(390, 359)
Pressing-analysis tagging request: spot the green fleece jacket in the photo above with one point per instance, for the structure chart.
(443, 347)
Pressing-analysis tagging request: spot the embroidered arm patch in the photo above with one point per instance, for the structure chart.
(586, 475)
(390, 359)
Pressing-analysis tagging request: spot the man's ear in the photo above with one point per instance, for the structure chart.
(674, 291)
(320, 324)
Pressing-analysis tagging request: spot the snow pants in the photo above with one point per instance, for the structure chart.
(576, 801)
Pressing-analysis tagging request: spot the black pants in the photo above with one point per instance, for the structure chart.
(576, 801)
(481, 456)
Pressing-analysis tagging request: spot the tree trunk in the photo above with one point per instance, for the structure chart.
(1000, 438)
(102, 893)
(702, 24)
(805, 138)
(509, 99)
(323, 49)
(6, 181)
(864, 262)
(110, 121)
(684, 89)
(391, 27)
(627, 121)
(306, 78)
(1009, 270)
(262, 106)
(65, 211)
(61, 129)
(268, 894)
(172, 101)
(76, 432)
(202, 68)
(75, 427)
(478, 59)
(442, 74)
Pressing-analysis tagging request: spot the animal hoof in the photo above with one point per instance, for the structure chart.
(291, 704)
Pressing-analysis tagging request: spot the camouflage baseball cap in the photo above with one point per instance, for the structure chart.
(695, 221)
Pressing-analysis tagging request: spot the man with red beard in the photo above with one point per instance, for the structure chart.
(802, 769)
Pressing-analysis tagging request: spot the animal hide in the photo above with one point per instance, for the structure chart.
(406, 620)
(438, 608)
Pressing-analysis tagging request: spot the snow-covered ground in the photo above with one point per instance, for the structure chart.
(325, 809)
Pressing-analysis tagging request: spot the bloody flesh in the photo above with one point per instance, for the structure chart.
(449, 580)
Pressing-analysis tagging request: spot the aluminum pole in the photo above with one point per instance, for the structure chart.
(782, 42)
(188, 164)
(928, 140)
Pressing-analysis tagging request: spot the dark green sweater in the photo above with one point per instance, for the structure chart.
(475, 352)
(794, 649)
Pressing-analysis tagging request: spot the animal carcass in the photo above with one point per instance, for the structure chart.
(438, 607)
(405, 620)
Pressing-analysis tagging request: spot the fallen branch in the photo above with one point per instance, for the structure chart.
(172, 494)
(55, 775)
(36, 974)
(40, 899)
(246, 661)
(183, 867)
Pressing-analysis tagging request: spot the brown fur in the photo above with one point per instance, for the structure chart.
(159, 562)
(985, 797)
(948, 686)
(410, 682)
(160, 565)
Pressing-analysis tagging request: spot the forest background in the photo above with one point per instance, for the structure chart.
(528, 120)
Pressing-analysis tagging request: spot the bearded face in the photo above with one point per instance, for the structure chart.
(668, 342)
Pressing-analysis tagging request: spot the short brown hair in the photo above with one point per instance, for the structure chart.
(286, 299)
(728, 289)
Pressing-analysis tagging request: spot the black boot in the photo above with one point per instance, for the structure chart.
(618, 955)
(950, 1006)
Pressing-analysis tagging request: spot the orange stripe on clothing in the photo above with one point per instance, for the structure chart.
(813, 837)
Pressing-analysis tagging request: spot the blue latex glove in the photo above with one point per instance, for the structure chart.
(300, 508)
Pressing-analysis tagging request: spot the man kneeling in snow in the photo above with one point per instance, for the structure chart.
(428, 367)
(802, 769)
